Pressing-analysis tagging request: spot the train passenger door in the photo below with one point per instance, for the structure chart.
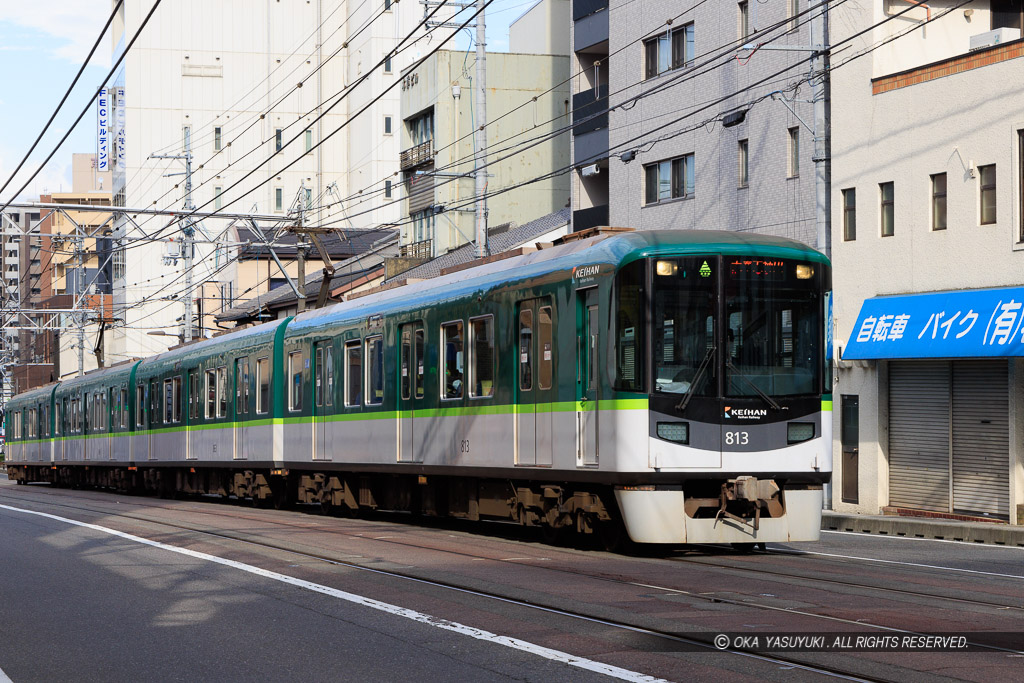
(410, 390)
(535, 383)
(241, 447)
(587, 394)
(323, 399)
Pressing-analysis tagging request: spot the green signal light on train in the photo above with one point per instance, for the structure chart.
(705, 270)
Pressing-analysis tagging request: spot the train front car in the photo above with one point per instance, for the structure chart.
(734, 362)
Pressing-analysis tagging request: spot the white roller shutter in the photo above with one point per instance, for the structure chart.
(981, 428)
(919, 398)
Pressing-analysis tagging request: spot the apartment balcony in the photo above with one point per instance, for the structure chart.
(589, 148)
(589, 218)
(421, 249)
(592, 102)
(418, 155)
(590, 25)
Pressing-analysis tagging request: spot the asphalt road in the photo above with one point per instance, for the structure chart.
(195, 590)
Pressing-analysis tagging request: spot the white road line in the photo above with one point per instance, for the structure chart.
(4, 678)
(915, 538)
(905, 564)
(472, 632)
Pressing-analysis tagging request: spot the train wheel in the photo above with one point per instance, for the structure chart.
(613, 535)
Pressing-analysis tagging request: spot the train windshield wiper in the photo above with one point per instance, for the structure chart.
(697, 377)
(767, 399)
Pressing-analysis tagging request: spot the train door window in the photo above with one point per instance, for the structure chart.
(168, 401)
(319, 381)
(545, 348)
(122, 407)
(46, 420)
(353, 373)
(140, 405)
(592, 354)
(329, 362)
(630, 296)
(194, 395)
(295, 381)
(374, 371)
(31, 422)
(525, 349)
(176, 399)
(211, 394)
(262, 385)
(104, 412)
(241, 386)
(481, 362)
(56, 419)
(405, 363)
(451, 359)
(222, 391)
(420, 347)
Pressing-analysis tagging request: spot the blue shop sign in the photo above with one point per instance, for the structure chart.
(981, 323)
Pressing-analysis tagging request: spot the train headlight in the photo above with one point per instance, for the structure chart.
(799, 431)
(679, 432)
(666, 267)
(804, 272)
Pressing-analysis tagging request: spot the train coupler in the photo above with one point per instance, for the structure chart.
(749, 496)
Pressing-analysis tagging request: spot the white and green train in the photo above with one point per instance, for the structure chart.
(674, 384)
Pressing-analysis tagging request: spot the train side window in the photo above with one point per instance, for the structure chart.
(211, 394)
(481, 362)
(176, 399)
(222, 391)
(525, 349)
(629, 322)
(353, 373)
(295, 381)
(374, 371)
(546, 348)
(124, 407)
(451, 359)
(262, 385)
(241, 386)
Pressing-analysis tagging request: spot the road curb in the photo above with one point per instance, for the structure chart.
(916, 527)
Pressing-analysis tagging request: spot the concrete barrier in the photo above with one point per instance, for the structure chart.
(918, 527)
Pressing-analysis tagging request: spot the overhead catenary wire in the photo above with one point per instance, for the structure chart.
(113, 70)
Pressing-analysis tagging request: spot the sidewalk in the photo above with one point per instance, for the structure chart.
(922, 527)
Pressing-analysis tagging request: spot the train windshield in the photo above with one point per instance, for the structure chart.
(683, 317)
(773, 322)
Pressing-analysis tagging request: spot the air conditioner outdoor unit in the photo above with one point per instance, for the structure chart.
(994, 37)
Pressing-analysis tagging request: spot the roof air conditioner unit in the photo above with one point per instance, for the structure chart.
(994, 37)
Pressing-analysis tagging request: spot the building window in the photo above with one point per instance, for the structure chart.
(850, 214)
(278, 199)
(1007, 14)
(278, 138)
(481, 362)
(887, 196)
(295, 381)
(1020, 179)
(939, 201)
(217, 146)
(307, 196)
(423, 225)
(670, 50)
(186, 138)
(988, 193)
(744, 163)
(793, 165)
(451, 360)
(309, 140)
(217, 192)
(744, 18)
(671, 179)
(387, 64)
(421, 128)
(387, 5)
(792, 10)
(387, 189)
(387, 125)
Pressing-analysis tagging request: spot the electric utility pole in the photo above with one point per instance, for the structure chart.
(188, 230)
